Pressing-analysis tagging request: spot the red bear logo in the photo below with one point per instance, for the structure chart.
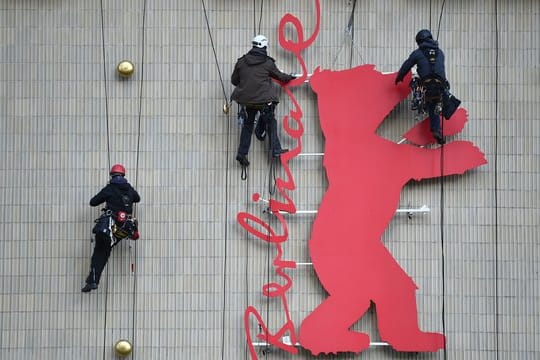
(366, 174)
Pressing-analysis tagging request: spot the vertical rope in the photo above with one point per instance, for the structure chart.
(214, 51)
(254, 22)
(443, 274)
(105, 84)
(351, 29)
(108, 160)
(246, 270)
(134, 263)
(496, 165)
(440, 19)
(260, 16)
(430, 15)
(227, 152)
(267, 272)
(225, 244)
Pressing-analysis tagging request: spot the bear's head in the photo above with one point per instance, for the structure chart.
(358, 98)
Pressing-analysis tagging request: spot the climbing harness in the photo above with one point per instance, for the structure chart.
(429, 89)
(116, 226)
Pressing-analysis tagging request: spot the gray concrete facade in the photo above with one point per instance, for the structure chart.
(181, 290)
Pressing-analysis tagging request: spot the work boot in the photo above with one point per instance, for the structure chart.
(440, 139)
(242, 159)
(89, 287)
(278, 153)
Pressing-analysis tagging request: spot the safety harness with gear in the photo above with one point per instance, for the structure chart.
(116, 226)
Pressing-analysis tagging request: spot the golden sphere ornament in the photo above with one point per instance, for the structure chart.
(226, 108)
(125, 68)
(123, 348)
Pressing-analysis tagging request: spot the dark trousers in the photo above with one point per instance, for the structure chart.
(435, 118)
(102, 251)
(266, 124)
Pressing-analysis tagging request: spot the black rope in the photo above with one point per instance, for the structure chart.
(109, 163)
(440, 18)
(430, 15)
(443, 274)
(267, 271)
(134, 263)
(246, 271)
(496, 157)
(254, 14)
(105, 84)
(351, 31)
(224, 303)
(105, 317)
(442, 239)
(214, 50)
(260, 17)
(140, 93)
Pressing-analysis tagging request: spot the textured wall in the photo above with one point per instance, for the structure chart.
(65, 117)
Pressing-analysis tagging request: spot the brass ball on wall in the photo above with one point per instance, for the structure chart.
(123, 348)
(125, 68)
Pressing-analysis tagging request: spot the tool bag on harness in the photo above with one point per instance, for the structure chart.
(124, 226)
(117, 226)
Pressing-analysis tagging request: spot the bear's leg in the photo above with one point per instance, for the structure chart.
(326, 329)
(397, 316)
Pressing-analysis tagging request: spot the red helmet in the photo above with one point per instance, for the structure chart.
(118, 169)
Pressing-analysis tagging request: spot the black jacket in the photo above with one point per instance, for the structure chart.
(118, 195)
(252, 77)
(423, 67)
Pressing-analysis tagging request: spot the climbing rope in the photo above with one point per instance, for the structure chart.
(109, 165)
(108, 161)
(139, 120)
(442, 239)
(105, 85)
(349, 31)
(225, 243)
(214, 51)
(440, 18)
(257, 30)
(496, 158)
(267, 271)
(443, 274)
(246, 270)
(350, 27)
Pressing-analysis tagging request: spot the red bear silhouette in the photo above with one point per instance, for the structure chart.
(366, 174)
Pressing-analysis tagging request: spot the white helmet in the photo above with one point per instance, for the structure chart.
(260, 41)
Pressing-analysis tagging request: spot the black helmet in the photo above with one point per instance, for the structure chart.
(423, 35)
